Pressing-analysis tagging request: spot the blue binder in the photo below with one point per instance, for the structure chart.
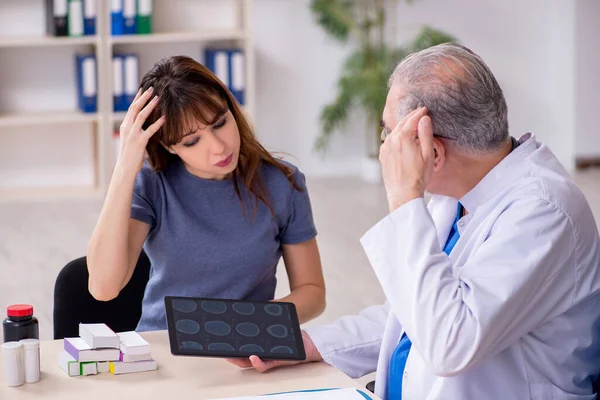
(129, 16)
(131, 75)
(229, 66)
(118, 87)
(217, 60)
(117, 23)
(87, 86)
(89, 17)
(237, 75)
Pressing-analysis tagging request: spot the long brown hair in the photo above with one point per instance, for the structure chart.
(189, 91)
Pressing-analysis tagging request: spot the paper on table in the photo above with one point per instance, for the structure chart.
(335, 394)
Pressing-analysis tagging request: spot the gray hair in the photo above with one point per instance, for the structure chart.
(464, 99)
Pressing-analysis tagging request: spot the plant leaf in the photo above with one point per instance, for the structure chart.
(363, 82)
(335, 17)
(333, 116)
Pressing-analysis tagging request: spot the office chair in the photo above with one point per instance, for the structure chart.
(73, 303)
(371, 386)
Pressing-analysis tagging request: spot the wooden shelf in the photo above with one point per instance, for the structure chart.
(180, 37)
(41, 41)
(118, 116)
(49, 193)
(44, 118)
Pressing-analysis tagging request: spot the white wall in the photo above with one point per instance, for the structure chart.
(297, 66)
(529, 45)
(587, 101)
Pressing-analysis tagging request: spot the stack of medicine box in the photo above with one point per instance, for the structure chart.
(99, 349)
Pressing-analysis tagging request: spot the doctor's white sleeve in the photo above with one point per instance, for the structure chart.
(352, 343)
(522, 275)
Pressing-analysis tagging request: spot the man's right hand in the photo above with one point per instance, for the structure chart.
(312, 354)
(133, 138)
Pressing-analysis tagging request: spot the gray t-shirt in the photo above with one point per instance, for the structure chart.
(200, 244)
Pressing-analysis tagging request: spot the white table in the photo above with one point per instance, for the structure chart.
(177, 378)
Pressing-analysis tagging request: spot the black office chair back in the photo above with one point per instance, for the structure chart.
(371, 386)
(73, 303)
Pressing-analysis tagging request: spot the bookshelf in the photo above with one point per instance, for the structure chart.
(42, 41)
(45, 111)
(180, 37)
(46, 118)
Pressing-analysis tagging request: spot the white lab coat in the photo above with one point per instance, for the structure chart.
(512, 313)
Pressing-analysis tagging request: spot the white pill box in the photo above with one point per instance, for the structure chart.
(99, 336)
(132, 344)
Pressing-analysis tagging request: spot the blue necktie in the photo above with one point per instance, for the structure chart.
(400, 354)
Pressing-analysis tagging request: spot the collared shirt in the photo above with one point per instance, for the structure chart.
(400, 355)
(512, 313)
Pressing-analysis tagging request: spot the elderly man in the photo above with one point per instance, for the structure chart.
(493, 286)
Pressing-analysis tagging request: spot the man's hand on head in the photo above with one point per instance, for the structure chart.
(406, 158)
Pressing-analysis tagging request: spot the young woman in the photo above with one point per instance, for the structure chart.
(213, 210)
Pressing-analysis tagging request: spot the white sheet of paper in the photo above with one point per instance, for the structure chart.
(337, 394)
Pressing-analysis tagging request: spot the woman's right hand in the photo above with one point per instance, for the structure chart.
(133, 138)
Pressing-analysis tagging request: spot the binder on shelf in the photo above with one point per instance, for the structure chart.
(229, 66)
(117, 25)
(57, 12)
(132, 78)
(75, 18)
(118, 83)
(129, 14)
(217, 61)
(89, 17)
(87, 87)
(237, 72)
(143, 21)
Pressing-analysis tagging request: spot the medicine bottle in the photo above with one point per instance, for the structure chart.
(20, 323)
(12, 355)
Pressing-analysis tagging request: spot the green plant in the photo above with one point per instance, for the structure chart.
(363, 81)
